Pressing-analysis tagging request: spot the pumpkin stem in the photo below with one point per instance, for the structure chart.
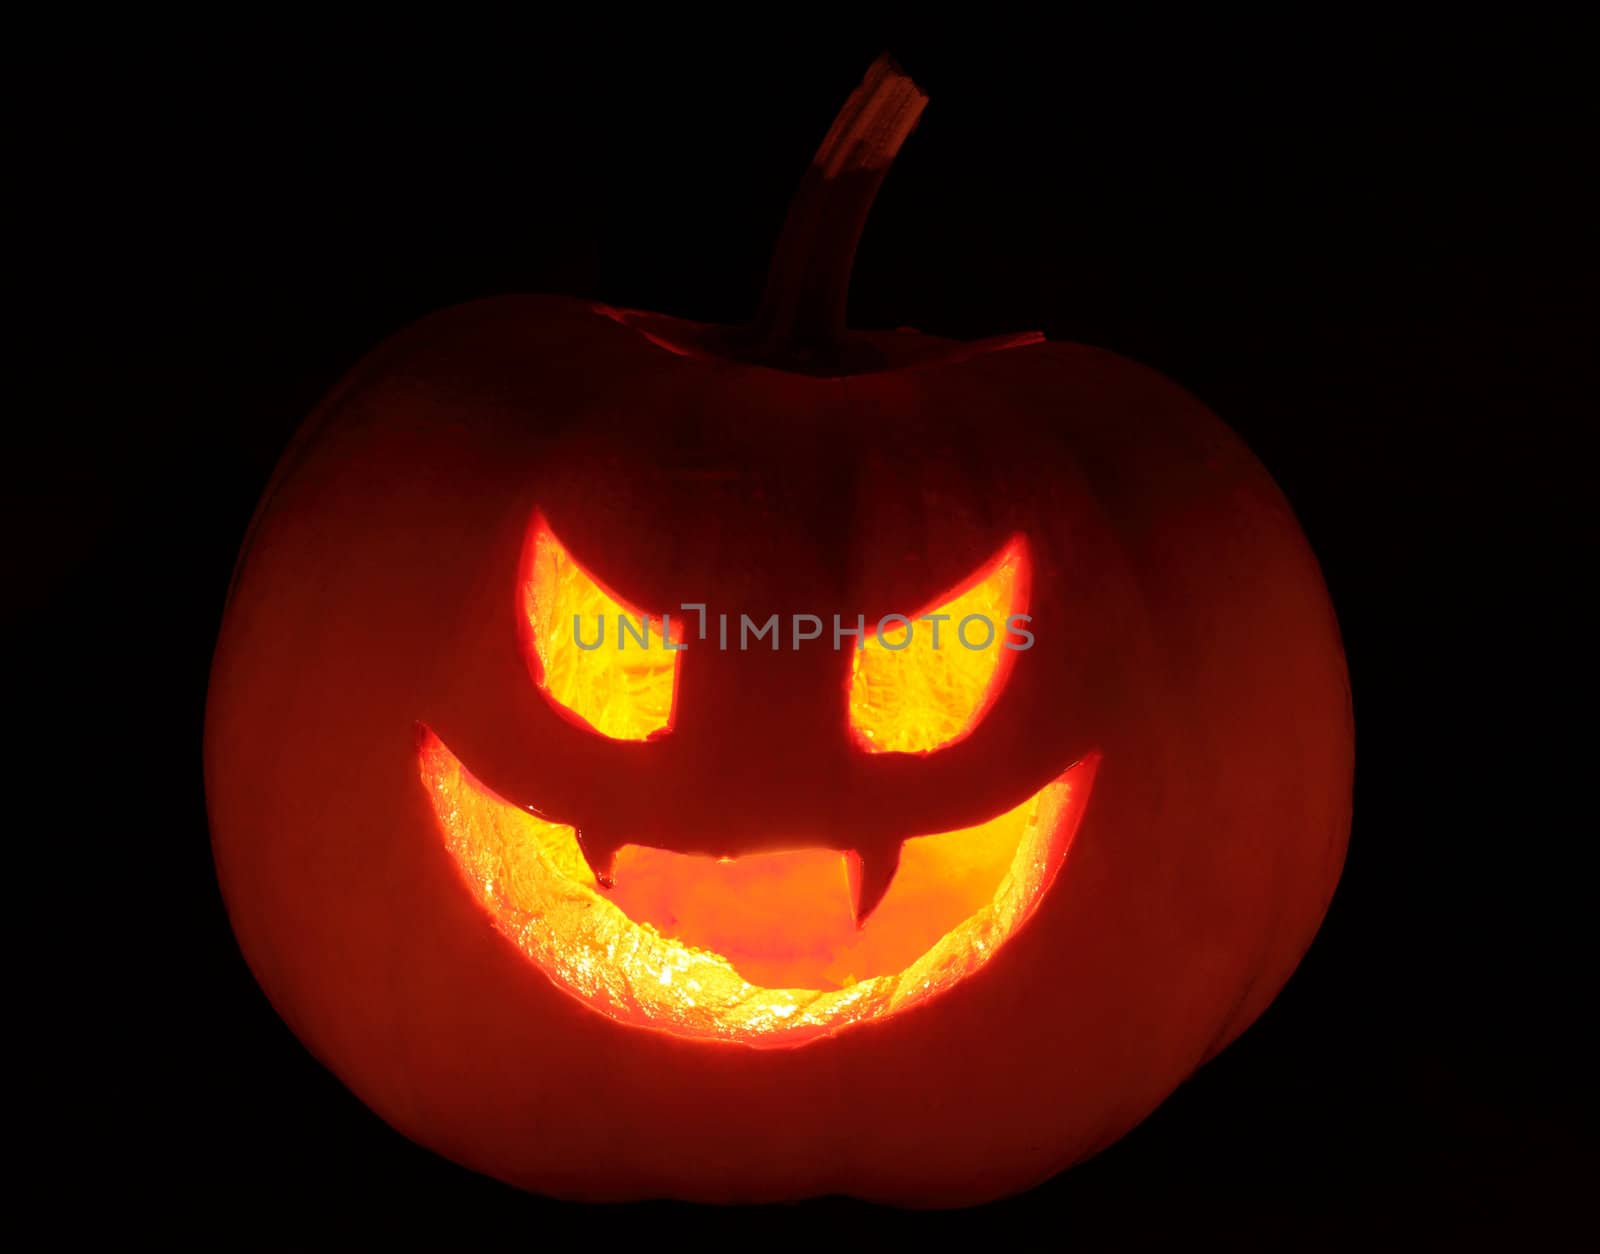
(802, 316)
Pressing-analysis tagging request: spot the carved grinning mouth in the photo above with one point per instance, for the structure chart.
(532, 879)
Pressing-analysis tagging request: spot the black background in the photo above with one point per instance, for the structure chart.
(1395, 311)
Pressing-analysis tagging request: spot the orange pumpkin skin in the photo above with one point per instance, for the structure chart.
(1183, 634)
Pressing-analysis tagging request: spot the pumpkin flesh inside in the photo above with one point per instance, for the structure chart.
(532, 879)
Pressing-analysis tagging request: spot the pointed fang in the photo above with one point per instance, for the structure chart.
(600, 854)
(871, 872)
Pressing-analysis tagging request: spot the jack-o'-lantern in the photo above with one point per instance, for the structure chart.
(594, 792)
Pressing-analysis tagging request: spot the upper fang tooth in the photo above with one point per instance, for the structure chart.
(600, 854)
(871, 873)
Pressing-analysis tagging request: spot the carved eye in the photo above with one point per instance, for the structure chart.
(926, 679)
(603, 661)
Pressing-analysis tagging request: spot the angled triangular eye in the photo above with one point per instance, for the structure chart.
(925, 679)
(604, 662)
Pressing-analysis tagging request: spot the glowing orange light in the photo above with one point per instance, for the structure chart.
(532, 879)
(764, 948)
(623, 689)
(924, 686)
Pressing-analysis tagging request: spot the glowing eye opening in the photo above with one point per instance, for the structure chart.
(624, 686)
(906, 696)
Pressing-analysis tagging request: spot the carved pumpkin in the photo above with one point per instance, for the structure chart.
(763, 893)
